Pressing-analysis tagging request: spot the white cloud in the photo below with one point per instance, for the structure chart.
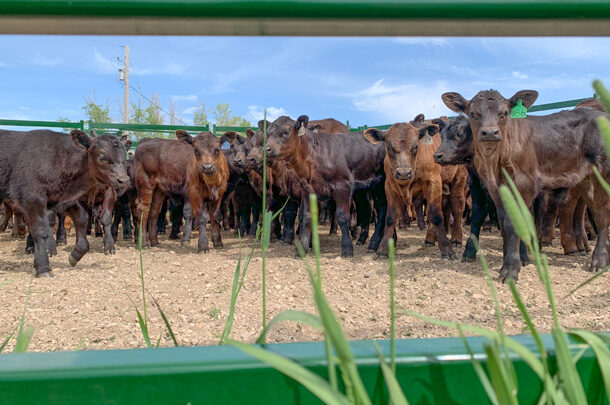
(424, 41)
(519, 75)
(184, 97)
(40, 60)
(191, 110)
(103, 64)
(402, 102)
(24, 108)
(256, 113)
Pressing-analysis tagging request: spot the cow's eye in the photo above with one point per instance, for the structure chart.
(503, 114)
(101, 158)
(286, 133)
(472, 115)
(216, 150)
(414, 149)
(197, 153)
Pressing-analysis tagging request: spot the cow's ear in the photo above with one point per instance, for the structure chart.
(528, 97)
(80, 138)
(374, 135)
(441, 122)
(126, 142)
(249, 133)
(184, 136)
(301, 124)
(230, 136)
(430, 129)
(93, 134)
(419, 118)
(315, 128)
(455, 102)
(261, 125)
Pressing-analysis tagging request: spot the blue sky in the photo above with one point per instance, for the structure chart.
(363, 80)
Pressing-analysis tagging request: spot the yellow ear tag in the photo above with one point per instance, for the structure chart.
(426, 140)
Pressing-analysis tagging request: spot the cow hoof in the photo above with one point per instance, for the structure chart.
(334, 232)
(360, 242)
(506, 275)
(428, 244)
(73, 260)
(583, 253)
(46, 274)
(217, 245)
(160, 232)
(204, 250)
(456, 243)
(109, 251)
(506, 279)
(571, 253)
(29, 250)
(381, 255)
(99, 235)
(545, 244)
(449, 256)
(60, 243)
(468, 259)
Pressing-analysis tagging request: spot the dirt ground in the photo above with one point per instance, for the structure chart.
(91, 306)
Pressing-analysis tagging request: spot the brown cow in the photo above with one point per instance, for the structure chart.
(538, 152)
(409, 166)
(328, 125)
(191, 167)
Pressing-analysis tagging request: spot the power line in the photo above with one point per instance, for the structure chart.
(156, 105)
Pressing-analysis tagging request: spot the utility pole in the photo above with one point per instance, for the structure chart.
(125, 79)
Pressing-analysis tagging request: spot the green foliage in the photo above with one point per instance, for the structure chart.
(200, 116)
(64, 119)
(222, 117)
(151, 115)
(95, 112)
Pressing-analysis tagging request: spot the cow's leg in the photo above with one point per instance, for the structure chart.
(363, 206)
(187, 213)
(97, 214)
(341, 195)
(60, 235)
(381, 206)
(51, 243)
(256, 214)
(393, 211)
(116, 219)
(38, 223)
(153, 216)
(418, 203)
(599, 207)
(29, 244)
(434, 197)
(479, 213)
(80, 219)
(5, 217)
(566, 227)
(580, 234)
(144, 200)
(243, 211)
(106, 219)
(176, 207)
(203, 245)
(162, 219)
(512, 261)
(332, 211)
(215, 224)
(289, 216)
(305, 223)
(458, 203)
(405, 218)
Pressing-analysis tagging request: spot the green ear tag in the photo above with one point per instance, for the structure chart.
(518, 111)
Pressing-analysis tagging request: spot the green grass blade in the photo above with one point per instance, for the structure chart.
(604, 96)
(530, 358)
(278, 212)
(313, 382)
(499, 377)
(603, 336)
(168, 326)
(291, 316)
(569, 378)
(587, 281)
(523, 208)
(478, 368)
(81, 344)
(8, 339)
(519, 223)
(24, 336)
(601, 180)
(397, 397)
(602, 353)
(234, 293)
(604, 129)
(143, 328)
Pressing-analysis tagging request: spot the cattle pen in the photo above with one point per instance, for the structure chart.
(88, 318)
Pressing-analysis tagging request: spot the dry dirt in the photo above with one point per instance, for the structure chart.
(91, 305)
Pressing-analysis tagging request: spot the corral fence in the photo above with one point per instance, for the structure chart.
(150, 130)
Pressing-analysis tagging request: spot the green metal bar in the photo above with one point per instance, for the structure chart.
(315, 9)
(431, 371)
(555, 106)
(146, 127)
(229, 128)
(51, 124)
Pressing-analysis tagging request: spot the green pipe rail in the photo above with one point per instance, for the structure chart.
(430, 371)
(306, 17)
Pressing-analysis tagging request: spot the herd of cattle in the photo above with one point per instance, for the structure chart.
(424, 169)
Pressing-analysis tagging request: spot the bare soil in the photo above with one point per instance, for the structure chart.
(92, 305)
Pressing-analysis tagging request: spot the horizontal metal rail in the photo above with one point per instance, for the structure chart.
(430, 371)
(43, 124)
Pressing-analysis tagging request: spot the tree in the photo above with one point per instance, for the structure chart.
(200, 115)
(96, 112)
(222, 116)
(149, 115)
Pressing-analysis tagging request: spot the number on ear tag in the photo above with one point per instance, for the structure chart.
(426, 140)
(518, 111)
